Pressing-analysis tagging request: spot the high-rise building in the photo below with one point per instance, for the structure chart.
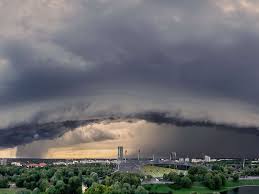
(125, 157)
(3, 162)
(181, 160)
(207, 158)
(187, 160)
(120, 153)
(173, 156)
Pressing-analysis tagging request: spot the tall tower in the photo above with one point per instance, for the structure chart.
(244, 162)
(138, 155)
(126, 153)
(120, 153)
(173, 156)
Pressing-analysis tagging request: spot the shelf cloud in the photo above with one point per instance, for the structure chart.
(64, 60)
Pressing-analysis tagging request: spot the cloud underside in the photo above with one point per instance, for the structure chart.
(80, 60)
(36, 140)
(100, 140)
(61, 48)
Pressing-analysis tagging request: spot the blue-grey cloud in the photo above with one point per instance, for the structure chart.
(128, 57)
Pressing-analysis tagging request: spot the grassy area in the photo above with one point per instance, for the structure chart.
(9, 191)
(231, 184)
(156, 171)
(167, 188)
(197, 187)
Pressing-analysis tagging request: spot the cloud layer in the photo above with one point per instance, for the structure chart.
(58, 48)
(74, 60)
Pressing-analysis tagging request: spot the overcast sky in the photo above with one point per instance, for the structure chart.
(82, 59)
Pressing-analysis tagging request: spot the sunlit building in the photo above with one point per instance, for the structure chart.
(3, 162)
(181, 160)
(207, 158)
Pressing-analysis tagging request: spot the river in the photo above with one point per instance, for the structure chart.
(243, 190)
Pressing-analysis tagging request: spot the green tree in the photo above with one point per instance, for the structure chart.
(197, 173)
(186, 182)
(94, 176)
(43, 184)
(141, 190)
(74, 183)
(115, 189)
(97, 189)
(19, 182)
(3, 182)
(235, 177)
(223, 179)
(217, 182)
(50, 172)
(172, 176)
(88, 181)
(23, 192)
(36, 191)
(51, 190)
(216, 167)
(60, 187)
(126, 188)
(208, 181)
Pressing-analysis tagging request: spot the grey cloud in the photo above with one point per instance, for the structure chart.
(197, 141)
(169, 135)
(39, 148)
(137, 43)
(166, 118)
(28, 133)
(84, 51)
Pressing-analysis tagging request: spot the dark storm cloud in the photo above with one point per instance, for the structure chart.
(168, 44)
(165, 118)
(197, 141)
(40, 148)
(99, 52)
(28, 133)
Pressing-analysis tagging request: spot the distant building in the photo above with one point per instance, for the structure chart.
(181, 160)
(207, 158)
(41, 165)
(16, 164)
(3, 162)
(187, 160)
(60, 163)
(120, 153)
(153, 157)
(194, 160)
(173, 156)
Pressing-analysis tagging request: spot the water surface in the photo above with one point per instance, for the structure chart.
(243, 190)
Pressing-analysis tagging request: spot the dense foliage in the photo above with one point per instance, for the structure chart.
(51, 179)
(179, 180)
(100, 178)
(119, 183)
(214, 178)
(69, 179)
